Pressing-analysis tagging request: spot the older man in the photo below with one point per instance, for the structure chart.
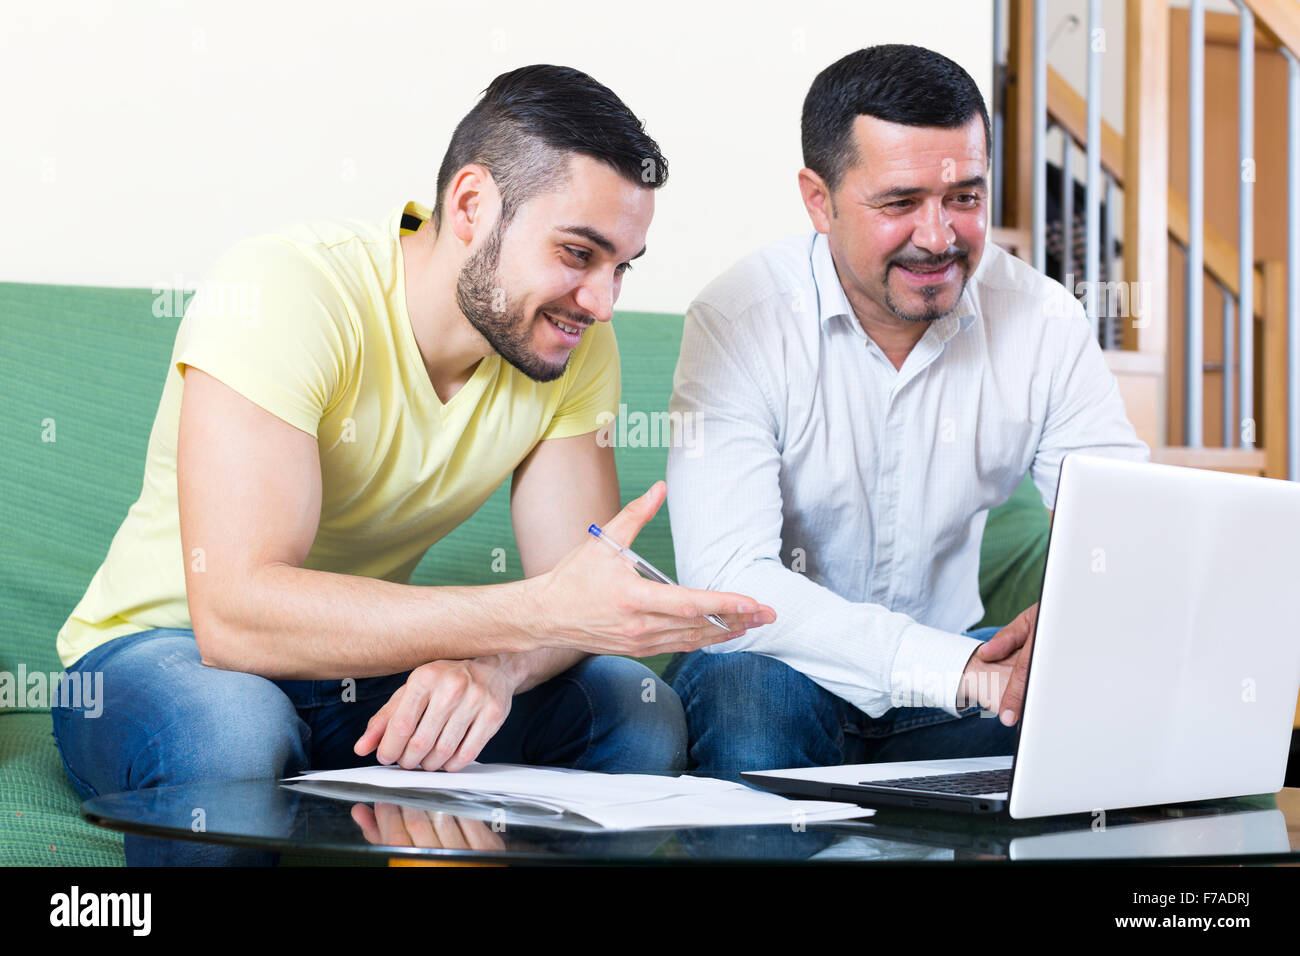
(863, 395)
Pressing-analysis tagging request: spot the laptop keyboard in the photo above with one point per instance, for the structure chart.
(970, 782)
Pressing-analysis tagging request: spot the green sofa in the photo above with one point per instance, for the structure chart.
(83, 369)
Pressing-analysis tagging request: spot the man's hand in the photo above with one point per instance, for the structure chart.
(390, 824)
(1012, 644)
(594, 601)
(443, 716)
(983, 682)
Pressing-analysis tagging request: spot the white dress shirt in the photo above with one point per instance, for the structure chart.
(851, 496)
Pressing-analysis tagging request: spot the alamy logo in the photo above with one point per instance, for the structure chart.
(102, 909)
(79, 690)
(629, 429)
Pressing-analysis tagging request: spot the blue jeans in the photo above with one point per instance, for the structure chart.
(168, 719)
(752, 712)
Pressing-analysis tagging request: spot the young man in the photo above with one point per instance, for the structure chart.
(342, 396)
(863, 396)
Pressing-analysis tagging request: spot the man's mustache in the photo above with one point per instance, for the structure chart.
(929, 263)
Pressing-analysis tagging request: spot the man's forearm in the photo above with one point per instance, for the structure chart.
(299, 624)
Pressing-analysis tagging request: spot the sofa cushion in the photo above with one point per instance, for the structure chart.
(40, 813)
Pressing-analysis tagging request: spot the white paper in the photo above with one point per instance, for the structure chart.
(618, 801)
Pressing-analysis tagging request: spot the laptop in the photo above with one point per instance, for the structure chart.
(1166, 663)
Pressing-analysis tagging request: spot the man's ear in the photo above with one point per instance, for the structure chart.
(816, 199)
(471, 198)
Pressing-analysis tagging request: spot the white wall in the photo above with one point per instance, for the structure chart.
(142, 138)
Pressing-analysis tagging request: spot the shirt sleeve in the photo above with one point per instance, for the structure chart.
(725, 504)
(1085, 411)
(592, 385)
(269, 324)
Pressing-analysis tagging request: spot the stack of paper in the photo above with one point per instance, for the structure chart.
(621, 801)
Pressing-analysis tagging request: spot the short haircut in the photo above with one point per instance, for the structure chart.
(895, 82)
(529, 121)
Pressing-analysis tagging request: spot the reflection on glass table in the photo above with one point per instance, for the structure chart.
(253, 820)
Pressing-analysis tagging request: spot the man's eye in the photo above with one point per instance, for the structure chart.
(900, 204)
(968, 198)
(582, 255)
(624, 267)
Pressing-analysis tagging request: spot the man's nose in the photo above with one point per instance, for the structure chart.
(933, 232)
(596, 298)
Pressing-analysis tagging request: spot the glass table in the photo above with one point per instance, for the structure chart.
(254, 819)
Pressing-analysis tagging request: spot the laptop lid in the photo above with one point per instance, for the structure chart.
(1166, 662)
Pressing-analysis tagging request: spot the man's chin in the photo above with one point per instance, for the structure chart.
(914, 308)
(538, 366)
(540, 371)
(927, 303)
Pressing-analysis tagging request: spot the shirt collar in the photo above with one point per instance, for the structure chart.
(407, 217)
(833, 302)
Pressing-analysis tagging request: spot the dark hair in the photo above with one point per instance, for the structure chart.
(526, 122)
(895, 82)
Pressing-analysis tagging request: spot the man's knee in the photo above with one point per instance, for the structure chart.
(165, 718)
(247, 729)
(635, 720)
(752, 712)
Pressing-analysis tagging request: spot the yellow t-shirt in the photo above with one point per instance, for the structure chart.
(311, 324)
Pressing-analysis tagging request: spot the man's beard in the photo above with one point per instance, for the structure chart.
(931, 311)
(478, 290)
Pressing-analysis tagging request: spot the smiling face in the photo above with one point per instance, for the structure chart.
(532, 288)
(906, 223)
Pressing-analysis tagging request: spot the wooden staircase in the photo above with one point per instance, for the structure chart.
(1149, 366)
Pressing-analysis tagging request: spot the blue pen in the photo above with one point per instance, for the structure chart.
(646, 568)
